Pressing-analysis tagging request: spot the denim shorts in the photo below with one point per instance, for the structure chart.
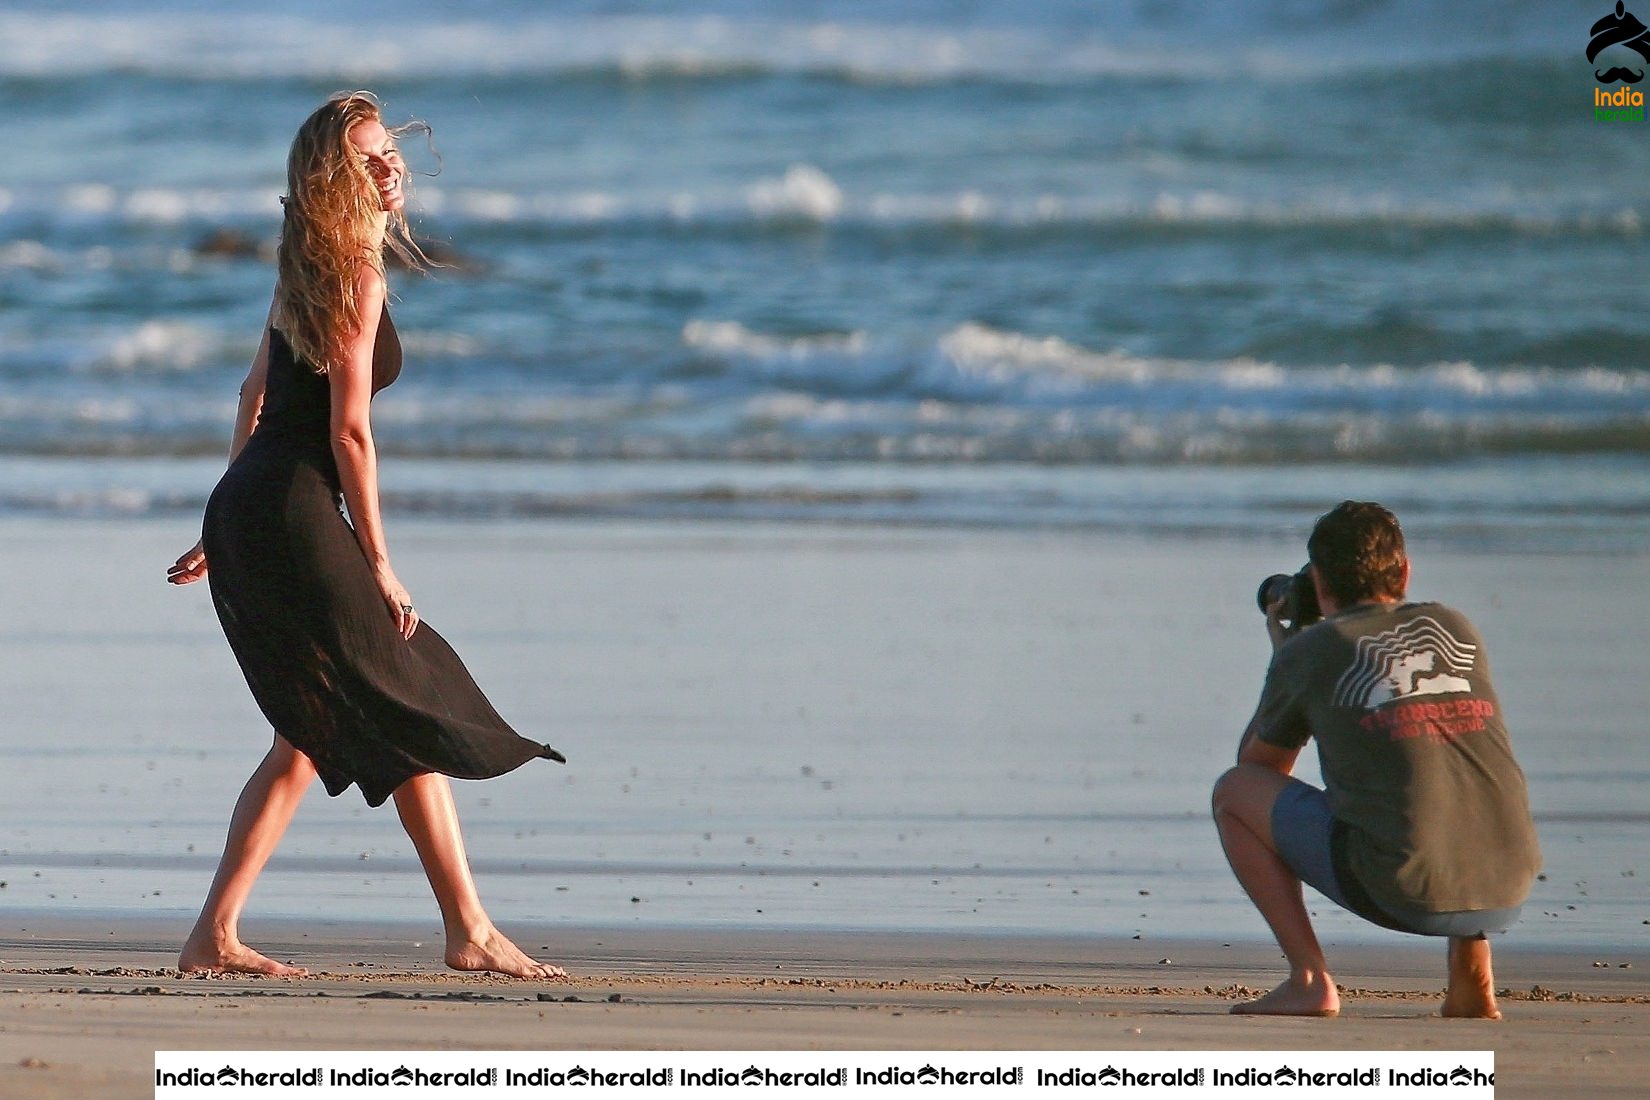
(1307, 836)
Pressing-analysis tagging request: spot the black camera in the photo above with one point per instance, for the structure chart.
(1300, 598)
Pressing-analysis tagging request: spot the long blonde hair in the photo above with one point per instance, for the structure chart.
(334, 222)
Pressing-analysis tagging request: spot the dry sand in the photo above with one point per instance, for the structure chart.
(84, 1003)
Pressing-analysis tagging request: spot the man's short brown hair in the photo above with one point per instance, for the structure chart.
(1358, 549)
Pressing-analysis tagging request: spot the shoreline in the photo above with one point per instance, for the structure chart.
(410, 948)
(1535, 503)
(32, 931)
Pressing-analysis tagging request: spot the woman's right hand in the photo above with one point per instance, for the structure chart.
(189, 568)
(401, 605)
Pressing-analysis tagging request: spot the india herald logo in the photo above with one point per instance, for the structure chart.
(1622, 28)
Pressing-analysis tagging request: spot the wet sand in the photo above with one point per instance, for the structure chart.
(787, 726)
(84, 1002)
(957, 742)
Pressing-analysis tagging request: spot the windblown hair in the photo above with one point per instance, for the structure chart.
(334, 222)
(1358, 549)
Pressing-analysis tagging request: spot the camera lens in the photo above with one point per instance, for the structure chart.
(1272, 589)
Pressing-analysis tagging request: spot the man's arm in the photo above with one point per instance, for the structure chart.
(1253, 750)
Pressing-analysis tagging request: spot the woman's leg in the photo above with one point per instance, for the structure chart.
(261, 816)
(425, 803)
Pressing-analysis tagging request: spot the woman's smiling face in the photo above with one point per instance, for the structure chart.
(383, 161)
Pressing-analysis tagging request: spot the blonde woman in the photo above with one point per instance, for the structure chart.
(359, 691)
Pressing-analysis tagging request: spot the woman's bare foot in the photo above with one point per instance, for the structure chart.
(1471, 993)
(232, 957)
(492, 951)
(1312, 995)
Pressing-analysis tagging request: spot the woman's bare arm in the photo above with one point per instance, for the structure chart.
(352, 446)
(191, 566)
(251, 404)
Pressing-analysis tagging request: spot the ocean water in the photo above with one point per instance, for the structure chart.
(913, 235)
(1155, 268)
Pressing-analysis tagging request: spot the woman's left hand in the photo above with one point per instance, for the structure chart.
(395, 594)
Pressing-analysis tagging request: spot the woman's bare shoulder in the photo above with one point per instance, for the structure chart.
(369, 280)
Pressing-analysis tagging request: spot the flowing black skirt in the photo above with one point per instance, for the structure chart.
(318, 645)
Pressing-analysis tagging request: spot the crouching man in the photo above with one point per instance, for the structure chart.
(1425, 824)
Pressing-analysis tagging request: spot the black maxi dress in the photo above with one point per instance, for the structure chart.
(313, 635)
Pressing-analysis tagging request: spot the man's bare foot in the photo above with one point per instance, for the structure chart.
(232, 957)
(1313, 996)
(1471, 993)
(492, 951)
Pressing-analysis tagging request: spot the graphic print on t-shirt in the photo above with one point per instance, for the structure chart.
(1417, 658)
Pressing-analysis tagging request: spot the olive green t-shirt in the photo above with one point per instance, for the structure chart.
(1414, 754)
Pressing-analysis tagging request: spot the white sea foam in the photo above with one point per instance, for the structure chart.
(492, 206)
(106, 410)
(213, 204)
(733, 338)
(90, 198)
(803, 192)
(976, 349)
(976, 362)
(28, 256)
(422, 342)
(161, 345)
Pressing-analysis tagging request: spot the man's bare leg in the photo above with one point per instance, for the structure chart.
(262, 813)
(1471, 993)
(425, 803)
(1243, 800)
